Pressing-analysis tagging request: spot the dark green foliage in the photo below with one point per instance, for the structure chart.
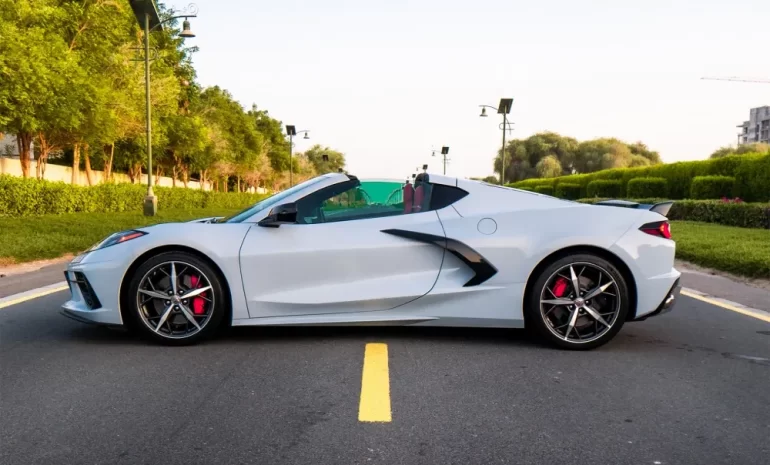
(712, 187)
(547, 190)
(22, 197)
(568, 191)
(647, 187)
(605, 188)
(751, 173)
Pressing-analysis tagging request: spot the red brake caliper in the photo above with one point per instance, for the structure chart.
(560, 287)
(197, 302)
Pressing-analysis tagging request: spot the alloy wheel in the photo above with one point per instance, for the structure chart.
(175, 299)
(580, 302)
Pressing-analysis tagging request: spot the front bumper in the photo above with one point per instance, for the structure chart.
(93, 295)
(668, 303)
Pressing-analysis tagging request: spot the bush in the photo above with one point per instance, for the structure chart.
(751, 173)
(744, 215)
(711, 187)
(547, 190)
(528, 189)
(22, 197)
(647, 187)
(605, 188)
(568, 191)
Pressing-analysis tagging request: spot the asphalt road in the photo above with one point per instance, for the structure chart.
(689, 387)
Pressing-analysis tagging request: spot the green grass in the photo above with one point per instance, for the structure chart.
(41, 237)
(742, 251)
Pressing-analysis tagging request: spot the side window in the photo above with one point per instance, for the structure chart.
(356, 200)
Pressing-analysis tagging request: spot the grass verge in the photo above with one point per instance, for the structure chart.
(24, 239)
(741, 251)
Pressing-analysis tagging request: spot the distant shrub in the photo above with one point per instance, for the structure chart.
(605, 188)
(647, 187)
(547, 190)
(712, 187)
(568, 191)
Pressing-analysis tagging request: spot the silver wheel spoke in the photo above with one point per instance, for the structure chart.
(600, 289)
(557, 302)
(575, 283)
(595, 315)
(194, 292)
(173, 278)
(190, 317)
(572, 320)
(163, 318)
(154, 294)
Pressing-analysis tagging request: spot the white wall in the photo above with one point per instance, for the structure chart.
(12, 166)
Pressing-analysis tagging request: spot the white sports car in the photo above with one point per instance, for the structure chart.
(335, 250)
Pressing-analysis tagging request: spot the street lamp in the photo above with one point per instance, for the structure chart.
(444, 153)
(146, 14)
(503, 108)
(291, 131)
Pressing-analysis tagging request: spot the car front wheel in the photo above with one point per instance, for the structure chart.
(175, 298)
(579, 302)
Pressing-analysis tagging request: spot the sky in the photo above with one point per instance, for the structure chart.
(386, 82)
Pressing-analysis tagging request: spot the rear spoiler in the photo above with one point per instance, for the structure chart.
(661, 208)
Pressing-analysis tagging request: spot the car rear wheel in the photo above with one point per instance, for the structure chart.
(578, 302)
(175, 298)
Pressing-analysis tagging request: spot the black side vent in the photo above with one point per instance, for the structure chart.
(88, 292)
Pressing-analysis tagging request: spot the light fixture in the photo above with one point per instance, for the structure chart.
(186, 32)
(483, 112)
(306, 136)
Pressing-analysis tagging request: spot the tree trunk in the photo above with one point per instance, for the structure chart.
(238, 178)
(75, 163)
(131, 176)
(224, 183)
(89, 173)
(42, 157)
(109, 155)
(23, 143)
(203, 179)
(158, 173)
(185, 175)
(173, 176)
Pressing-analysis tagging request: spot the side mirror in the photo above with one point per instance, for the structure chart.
(281, 214)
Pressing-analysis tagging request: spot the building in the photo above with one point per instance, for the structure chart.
(757, 128)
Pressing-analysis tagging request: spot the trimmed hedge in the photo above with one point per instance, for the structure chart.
(751, 173)
(743, 214)
(712, 187)
(547, 190)
(605, 188)
(647, 187)
(567, 191)
(21, 197)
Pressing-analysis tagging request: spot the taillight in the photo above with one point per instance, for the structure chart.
(659, 228)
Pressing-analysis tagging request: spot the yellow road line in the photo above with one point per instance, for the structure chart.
(375, 385)
(25, 296)
(742, 311)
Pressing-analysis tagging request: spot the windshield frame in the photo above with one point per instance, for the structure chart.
(271, 201)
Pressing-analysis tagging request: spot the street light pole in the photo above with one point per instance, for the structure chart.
(503, 108)
(146, 14)
(150, 201)
(291, 131)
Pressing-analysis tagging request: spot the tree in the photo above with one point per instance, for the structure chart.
(548, 167)
(757, 147)
(333, 163)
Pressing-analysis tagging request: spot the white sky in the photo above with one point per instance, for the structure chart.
(387, 81)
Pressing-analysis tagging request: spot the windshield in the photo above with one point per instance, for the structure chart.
(270, 201)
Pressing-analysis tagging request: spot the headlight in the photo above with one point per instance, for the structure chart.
(118, 238)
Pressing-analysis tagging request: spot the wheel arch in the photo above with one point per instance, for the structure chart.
(598, 251)
(122, 292)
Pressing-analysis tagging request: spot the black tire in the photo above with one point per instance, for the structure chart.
(545, 326)
(208, 326)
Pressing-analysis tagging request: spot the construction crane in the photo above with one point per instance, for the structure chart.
(737, 79)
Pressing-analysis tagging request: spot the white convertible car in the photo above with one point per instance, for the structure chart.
(335, 250)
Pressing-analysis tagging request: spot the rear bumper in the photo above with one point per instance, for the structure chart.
(668, 303)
